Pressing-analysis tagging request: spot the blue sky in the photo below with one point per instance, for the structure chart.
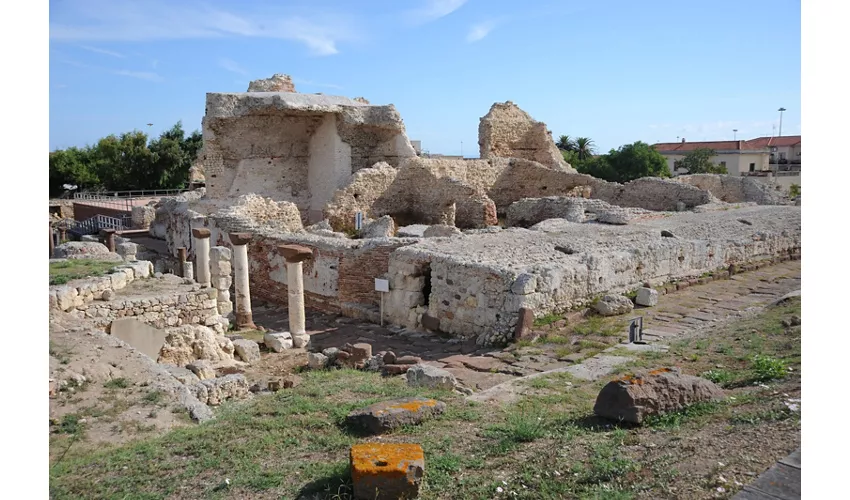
(616, 71)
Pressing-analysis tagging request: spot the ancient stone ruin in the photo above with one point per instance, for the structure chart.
(516, 230)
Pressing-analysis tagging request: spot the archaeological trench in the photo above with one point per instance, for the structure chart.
(471, 249)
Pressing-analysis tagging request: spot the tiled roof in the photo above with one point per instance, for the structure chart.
(715, 145)
(784, 141)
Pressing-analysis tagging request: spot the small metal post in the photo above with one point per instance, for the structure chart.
(382, 308)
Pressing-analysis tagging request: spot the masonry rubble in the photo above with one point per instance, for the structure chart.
(221, 277)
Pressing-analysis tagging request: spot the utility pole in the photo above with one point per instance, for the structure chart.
(461, 149)
(781, 110)
(735, 131)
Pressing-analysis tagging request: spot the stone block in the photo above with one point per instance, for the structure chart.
(360, 352)
(646, 297)
(300, 340)
(431, 377)
(632, 398)
(524, 324)
(317, 361)
(278, 342)
(384, 471)
(202, 368)
(613, 305)
(247, 350)
(388, 415)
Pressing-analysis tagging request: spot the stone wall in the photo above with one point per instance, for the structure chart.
(652, 193)
(295, 147)
(530, 211)
(77, 293)
(561, 265)
(733, 189)
(277, 83)
(509, 132)
(190, 308)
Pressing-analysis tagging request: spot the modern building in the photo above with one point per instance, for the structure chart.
(739, 157)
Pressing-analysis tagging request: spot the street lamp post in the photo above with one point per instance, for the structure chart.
(781, 110)
(735, 131)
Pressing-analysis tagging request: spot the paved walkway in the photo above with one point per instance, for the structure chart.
(483, 368)
(780, 482)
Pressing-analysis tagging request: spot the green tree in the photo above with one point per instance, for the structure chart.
(128, 161)
(585, 148)
(565, 143)
(699, 161)
(627, 163)
(794, 190)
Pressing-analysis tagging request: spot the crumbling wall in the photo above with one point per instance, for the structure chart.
(530, 211)
(507, 131)
(652, 193)
(478, 283)
(277, 83)
(733, 189)
(295, 147)
(359, 195)
(528, 179)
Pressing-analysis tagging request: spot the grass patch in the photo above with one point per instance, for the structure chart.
(719, 377)
(768, 368)
(70, 424)
(63, 272)
(153, 397)
(117, 383)
(677, 418)
(597, 325)
(521, 425)
(547, 320)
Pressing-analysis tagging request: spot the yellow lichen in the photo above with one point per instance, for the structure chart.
(384, 459)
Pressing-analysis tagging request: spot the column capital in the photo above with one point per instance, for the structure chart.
(200, 232)
(295, 253)
(240, 238)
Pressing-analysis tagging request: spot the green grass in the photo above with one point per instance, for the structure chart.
(547, 319)
(767, 368)
(719, 376)
(597, 325)
(63, 272)
(677, 418)
(70, 424)
(117, 383)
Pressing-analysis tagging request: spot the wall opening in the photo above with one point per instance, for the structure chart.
(426, 285)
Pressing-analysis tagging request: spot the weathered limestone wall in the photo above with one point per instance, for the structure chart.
(190, 308)
(530, 211)
(277, 83)
(526, 179)
(733, 189)
(329, 165)
(364, 189)
(295, 147)
(509, 132)
(651, 193)
(558, 265)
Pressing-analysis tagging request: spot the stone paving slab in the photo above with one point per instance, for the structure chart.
(780, 482)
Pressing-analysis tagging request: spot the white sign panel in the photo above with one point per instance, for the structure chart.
(382, 285)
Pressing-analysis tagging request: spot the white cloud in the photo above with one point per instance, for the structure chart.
(480, 30)
(433, 10)
(129, 21)
(141, 75)
(231, 65)
(102, 51)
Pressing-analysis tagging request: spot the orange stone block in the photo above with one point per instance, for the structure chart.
(381, 471)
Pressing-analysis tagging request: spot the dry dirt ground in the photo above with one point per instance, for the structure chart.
(544, 444)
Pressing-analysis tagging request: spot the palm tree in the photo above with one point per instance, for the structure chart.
(585, 148)
(565, 143)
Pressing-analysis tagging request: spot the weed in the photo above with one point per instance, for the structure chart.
(117, 383)
(70, 424)
(153, 397)
(767, 368)
(721, 377)
(519, 427)
(547, 320)
(677, 418)
(540, 383)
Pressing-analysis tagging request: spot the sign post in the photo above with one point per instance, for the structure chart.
(383, 286)
(358, 221)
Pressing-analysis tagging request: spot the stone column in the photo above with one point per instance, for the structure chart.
(295, 255)
(108, 238)
(202, 255)
(51, 240)
(220, 273)
(244, 319)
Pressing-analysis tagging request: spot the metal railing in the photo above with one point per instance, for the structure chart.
(94, 224)
(135, 193)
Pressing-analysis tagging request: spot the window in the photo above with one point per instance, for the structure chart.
(781, 156)
(752, 167)
(723, 164)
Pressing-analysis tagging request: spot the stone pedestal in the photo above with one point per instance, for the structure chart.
(294, 256)
(202, 255)
(221, 272)
(181, 259)
(244, 318)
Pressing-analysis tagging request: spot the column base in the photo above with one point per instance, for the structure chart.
(245, 321)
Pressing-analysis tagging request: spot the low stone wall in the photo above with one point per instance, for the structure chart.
(191, 308)
(77, 293)
(733, 189)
